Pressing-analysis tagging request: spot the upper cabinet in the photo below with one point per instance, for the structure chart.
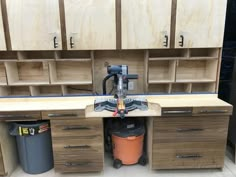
(145, 24)
(90, 24)
(2, 37)
(34, 24)
(200, 23)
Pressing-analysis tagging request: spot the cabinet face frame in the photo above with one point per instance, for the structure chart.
(34, 25)
(2, 35)
(200, 24)
(90, 25)
(145, 24)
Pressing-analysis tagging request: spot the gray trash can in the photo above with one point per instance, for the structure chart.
(34, 145)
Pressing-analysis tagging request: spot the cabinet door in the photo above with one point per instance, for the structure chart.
(200, 23)
(90, 24)
(145, 24)
(2, 37)
(34, 25)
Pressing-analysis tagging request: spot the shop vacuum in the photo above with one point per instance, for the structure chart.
(124, 137)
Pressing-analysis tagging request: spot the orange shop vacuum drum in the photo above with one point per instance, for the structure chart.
(127, 142)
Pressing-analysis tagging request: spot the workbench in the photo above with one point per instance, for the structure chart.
(183, 131)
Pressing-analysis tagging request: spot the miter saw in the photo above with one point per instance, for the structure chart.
(120, 104)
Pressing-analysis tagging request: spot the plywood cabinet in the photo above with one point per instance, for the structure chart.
(90, 24)
(34, 25)
(2, 37)
(145, 24)
(200, 24)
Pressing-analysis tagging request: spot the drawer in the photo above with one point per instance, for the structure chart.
(88, 146)
(77, 128)
(188, 155)
(176, 111)
(63, 114)
(78, 166)
(190, 129)
(201, 111)
(18, 116)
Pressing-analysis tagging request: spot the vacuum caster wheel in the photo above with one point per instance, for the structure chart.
(117, 163)
(142, 160)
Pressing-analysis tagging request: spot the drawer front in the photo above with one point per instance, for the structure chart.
(83, 146)
(176, 111)
(77, 128)
(202, 111)
(78, 166)
(190, 129)
(188, 155)
(68, 114)
(18, 116)
(2, 170)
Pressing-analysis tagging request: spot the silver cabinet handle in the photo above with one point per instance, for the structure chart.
(16, 116)
(77, 147)
(76, 128)
(177, 112)
(62, 115)
(189, 130)
(213, 111)
(74, 164)
(190, 156)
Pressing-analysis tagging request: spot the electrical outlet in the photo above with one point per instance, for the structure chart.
(131, 86)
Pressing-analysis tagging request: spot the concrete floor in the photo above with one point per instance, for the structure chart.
(229, 170)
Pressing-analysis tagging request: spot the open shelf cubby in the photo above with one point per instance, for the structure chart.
(36, 55)
(14, 91)
(196, 71)
(159, 88)
(181, 88)
(74, 72)
(27, 73)
(161, 71)
(46, 90)
(204, 88)
(77, 89)
(168, 54)
(85, 54)
(3, 77)
(207, 53)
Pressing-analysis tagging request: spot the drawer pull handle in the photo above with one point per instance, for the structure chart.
(16, 116)
(62, 115)
(72, 44)
(189, 130)
(165, 43)
(177, 112)
(55, 42)
(77, 147)
(74, 164)
(76, 128)
(190, 156)
(213, 111)
(181, 42)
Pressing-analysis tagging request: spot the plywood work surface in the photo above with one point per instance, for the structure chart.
(72, 103)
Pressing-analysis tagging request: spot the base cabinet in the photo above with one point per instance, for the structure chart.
(78, 145)
(187, 142)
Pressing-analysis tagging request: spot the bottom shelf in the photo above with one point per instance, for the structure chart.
(77, 89)
(182, 88)
(14, 91)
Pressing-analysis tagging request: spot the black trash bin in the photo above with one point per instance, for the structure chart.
(34, 145)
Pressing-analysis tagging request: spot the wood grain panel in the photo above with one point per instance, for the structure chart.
(190, 129)
(90, 24)
(201, 23)
(2, 169)
(178, 155)
(34, 24)
(2, 36)
(20, 116)
(76, 128)
(145, 23)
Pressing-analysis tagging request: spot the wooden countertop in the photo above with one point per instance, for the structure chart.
(157, 102)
